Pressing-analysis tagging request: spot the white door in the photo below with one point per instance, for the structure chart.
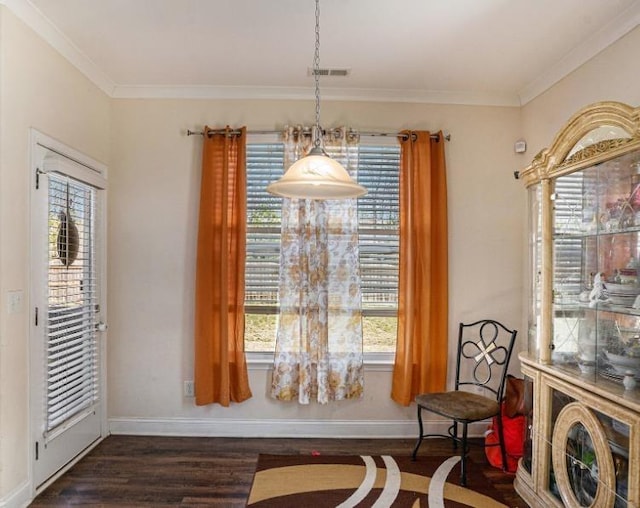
(67, 352)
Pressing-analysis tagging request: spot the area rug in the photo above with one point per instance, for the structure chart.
(301, 481)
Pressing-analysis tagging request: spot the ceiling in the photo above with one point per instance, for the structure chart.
(498, 52)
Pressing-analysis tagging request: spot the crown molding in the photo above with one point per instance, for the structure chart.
(599, 41)
(303, 93)
(40, 24)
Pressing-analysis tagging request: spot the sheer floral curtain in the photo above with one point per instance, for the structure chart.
(319, 337)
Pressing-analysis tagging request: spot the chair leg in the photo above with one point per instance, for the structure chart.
(455, 435)
(419, 442)
(503, 449)
(463, 457)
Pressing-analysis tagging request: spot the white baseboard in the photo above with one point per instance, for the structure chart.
(348, 429)
(18, 498)
(23, 495)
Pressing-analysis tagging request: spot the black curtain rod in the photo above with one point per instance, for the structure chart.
(447, 137)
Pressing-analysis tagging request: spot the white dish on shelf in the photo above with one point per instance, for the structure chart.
(612, 375)
(622, 289)
(622, 364)
(587, 367)
(626, 301)
(586, 355)
(620, 293)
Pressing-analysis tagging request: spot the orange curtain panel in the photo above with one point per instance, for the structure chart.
(220, 363)
(421, 349)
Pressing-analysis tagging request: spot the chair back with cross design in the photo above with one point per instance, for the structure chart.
(483, 355)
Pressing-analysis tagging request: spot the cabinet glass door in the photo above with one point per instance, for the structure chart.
(535, 268)
(596, 276)
(527, 455)
(590, 456)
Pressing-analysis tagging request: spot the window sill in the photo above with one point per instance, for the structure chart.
(382, 362)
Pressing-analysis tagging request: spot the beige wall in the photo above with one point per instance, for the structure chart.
(153, 185)
(612, 75)
(38, 88)
(154, 175)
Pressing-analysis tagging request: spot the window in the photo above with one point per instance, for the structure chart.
(378, 214)
(71, 341)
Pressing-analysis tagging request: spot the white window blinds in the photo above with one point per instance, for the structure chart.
(71, 345)
(379, 228)
(378, 215)
(264, 211)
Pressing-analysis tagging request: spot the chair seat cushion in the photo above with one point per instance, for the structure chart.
(459, 405)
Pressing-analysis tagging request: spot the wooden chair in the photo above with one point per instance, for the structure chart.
(483, 355)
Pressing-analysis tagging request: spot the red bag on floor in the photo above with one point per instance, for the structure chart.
(513, 430)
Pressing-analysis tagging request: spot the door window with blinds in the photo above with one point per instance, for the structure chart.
(71, 346)
(378, 216)
(66, 355)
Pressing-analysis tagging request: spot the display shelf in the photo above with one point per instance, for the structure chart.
(579, 235)
(600, 307)
(582, 446)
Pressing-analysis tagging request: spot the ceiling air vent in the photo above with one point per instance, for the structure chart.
(338, 73)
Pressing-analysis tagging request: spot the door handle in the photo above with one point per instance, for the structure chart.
(101, 327)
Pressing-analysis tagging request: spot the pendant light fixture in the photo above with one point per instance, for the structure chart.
(316, 175)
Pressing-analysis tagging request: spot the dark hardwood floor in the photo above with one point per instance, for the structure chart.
(180, 471)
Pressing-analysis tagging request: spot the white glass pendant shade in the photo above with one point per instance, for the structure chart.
(316, 176)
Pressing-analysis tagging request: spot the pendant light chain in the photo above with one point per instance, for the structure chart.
(316, 175)
(316, 73)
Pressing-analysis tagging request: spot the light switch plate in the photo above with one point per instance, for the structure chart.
(14, 301)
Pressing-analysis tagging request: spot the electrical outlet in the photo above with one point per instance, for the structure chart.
(189, 389)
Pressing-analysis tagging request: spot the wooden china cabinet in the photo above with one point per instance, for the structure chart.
(582, 365)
